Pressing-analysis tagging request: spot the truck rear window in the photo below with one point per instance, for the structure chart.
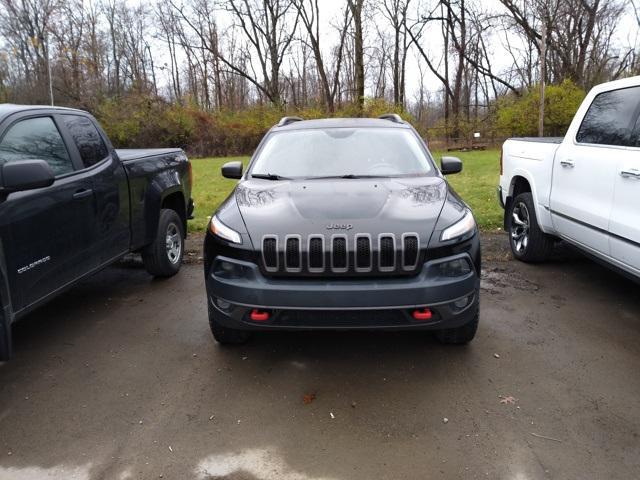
(86, 137)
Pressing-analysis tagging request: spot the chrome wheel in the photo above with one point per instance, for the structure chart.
(520, 224)
(173, 243)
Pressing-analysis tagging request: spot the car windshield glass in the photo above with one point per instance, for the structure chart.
(342, 152)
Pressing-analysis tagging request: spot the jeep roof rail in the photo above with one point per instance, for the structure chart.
(394, 117)
(287, 120)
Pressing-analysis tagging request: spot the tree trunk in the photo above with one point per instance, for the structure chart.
(358, 53)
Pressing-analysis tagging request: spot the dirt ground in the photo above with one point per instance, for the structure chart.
(120, 379)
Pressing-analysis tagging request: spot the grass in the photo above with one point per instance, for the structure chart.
(210, 188)
(476, 184)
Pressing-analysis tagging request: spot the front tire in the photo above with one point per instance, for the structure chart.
(163, 258)
(460, 335)
(528, 242)
(5, 338)
(227, 336)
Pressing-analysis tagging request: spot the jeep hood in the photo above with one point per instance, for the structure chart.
(328, 206)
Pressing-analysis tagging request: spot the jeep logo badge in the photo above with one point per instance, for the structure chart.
(339, 226)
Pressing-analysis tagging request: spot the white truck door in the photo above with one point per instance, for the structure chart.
(625, 215)
(586, 169)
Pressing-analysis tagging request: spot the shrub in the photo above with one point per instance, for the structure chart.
(137, 121)
(518, 116)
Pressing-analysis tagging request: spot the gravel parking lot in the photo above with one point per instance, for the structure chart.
(120, 379)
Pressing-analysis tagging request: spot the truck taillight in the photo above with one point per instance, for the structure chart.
(501, 159)
(190, 170)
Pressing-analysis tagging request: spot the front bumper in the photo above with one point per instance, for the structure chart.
(348, 303)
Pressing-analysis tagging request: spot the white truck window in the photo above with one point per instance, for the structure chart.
(611, 118)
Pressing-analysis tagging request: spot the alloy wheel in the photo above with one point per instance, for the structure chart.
(520, 224)
(173, 243)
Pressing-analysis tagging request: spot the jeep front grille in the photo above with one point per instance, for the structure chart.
(358, 254)
(316, 254)
(270, 253)
(387, 255)
(363, 253)
(293, 254)
(410, 251)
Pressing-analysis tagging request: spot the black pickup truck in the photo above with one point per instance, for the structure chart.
(70, 204)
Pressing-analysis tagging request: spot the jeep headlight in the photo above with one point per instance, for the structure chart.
(462, 227)
(221, 230)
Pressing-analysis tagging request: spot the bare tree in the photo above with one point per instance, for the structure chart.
(579, 35)
(395, 12)
(356, 7)
(309, 11)
(25, 25)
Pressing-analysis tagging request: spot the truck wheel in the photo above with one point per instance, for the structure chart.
(5, 338)
(461, 335)
(227, 336)
(163, 257)
(528, 242)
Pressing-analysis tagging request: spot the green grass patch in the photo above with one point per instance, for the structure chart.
(476, 184)
(210, 188)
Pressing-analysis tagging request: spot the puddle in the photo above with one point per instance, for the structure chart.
(54, 473)
(496, 280)
(254, 464)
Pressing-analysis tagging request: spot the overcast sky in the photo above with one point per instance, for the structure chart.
(332, 11)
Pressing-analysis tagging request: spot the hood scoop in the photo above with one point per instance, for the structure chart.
(338, 200)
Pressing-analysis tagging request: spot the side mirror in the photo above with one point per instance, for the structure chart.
(22, 175)
(232, 170)
(451, 165)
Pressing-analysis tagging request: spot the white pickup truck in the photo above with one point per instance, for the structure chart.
(583, 188)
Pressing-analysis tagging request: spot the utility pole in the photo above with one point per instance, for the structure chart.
(49, 69)
(543, 74)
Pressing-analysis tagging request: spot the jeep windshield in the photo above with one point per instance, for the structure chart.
(342, 153)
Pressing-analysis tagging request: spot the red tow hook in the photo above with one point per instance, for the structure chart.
(259, 315)
(422, 314)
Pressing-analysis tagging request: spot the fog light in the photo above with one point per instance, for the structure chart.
(223, 304)
(228, 270)
(227, 266)
(462, 302)
(453, 268)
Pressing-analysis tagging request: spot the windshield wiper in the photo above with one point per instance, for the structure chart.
(348, 176)
(269, 176)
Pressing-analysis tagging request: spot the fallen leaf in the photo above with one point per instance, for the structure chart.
(508, 400)
(308, 398)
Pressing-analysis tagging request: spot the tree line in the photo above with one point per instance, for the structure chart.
(462, 58)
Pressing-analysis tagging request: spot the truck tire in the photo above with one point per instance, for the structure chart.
(528, 242)
(227, 336)
(163, 257)
(5, 338)
(461, 335)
